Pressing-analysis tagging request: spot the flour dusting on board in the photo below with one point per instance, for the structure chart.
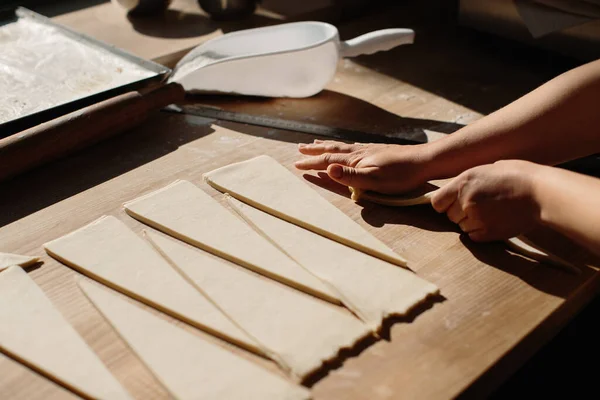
(41, 67)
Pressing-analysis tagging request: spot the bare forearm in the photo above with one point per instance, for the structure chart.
(569, 203)
(557, 122)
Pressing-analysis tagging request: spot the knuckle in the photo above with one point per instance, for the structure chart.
(350, 175)
(353, 160)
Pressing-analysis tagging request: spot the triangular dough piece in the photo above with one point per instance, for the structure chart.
(7, 260)
(374, 289)
(264, 183)
(20, 382)
(108, 251)
(187, 365)
(34, 332)
(185, 212)
(300, 330)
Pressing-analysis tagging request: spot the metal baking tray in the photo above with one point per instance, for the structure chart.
(150, 73)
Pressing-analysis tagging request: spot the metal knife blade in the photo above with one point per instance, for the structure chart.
(291, 125)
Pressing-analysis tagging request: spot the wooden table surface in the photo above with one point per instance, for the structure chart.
(497, 308)
(166, 38)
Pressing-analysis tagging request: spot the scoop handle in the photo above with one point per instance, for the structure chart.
(372, 42)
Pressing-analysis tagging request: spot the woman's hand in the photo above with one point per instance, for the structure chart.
(492, 202)
(383, 168)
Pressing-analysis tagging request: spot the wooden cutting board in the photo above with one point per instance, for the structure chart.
(498, 309)
(493, 300)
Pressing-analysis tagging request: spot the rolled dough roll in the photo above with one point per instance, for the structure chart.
(518, 244)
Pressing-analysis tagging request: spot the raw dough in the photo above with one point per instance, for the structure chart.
(7, 260)
(109, 252)
(374, 289)
(187, 365)
(300, 331)
(263, 183)
(387, 200)
(184, 211)
(519, 244)
(34, 332)
(524, 247)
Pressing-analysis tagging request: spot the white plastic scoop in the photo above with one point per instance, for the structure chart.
(288, 60)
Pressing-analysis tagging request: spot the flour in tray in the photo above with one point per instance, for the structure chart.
(42, 67)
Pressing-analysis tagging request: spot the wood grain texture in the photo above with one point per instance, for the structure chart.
(165, 38)
(81, 128)
(499, 308)
(12, 387)
(493, 299)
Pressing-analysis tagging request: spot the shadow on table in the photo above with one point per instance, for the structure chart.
(546, 278)
(420, 216)
(177, 24)
(338, 361)
(386, 329)
(543, 277)
(481, 72)
(323, 180)
(154, 139)
(334, 110)
(173, 24)
(545, 375)
(384, 333)
(56, 181)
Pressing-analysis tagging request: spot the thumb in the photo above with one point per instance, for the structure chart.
(355, 177)
(444, 197)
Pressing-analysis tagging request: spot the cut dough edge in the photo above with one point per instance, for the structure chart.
(399, 260)
(254, 348)
(38, 299)
(374, 324)
(101, 299)
(349, 343)
(256, 268)
(385, 253)
(9, 259)
(345, 301)
(266, 352)
(519, 244)
(233, 259)
(342, 301)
